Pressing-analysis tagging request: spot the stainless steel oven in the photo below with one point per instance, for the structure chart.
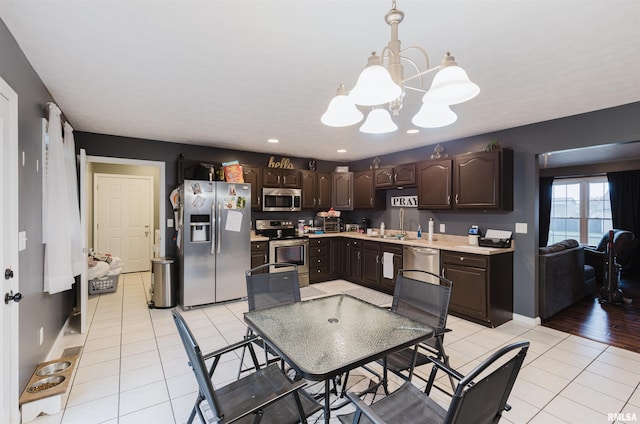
(293, 251)
(286, 246)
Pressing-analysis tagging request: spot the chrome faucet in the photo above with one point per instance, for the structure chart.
(402, 233)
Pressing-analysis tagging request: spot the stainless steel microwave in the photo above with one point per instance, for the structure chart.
(281, 199)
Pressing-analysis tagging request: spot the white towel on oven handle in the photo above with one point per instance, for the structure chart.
(387, 265)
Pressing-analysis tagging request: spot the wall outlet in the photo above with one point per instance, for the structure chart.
(521, 227)
(22, 240)
(169, 223)
(41, 335)
(442, 228)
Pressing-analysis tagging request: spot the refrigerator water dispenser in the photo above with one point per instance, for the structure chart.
(200, 228)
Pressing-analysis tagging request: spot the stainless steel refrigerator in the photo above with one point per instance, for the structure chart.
(214, 245)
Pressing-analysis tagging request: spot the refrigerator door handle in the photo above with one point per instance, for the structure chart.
(213, 228)
(219, 225)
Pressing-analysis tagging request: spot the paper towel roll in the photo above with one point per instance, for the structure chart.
(430, 229)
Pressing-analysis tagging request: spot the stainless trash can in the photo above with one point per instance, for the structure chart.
(162, 286)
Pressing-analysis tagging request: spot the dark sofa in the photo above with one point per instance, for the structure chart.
(564, 278)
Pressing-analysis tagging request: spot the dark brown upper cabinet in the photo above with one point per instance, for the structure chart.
(316, 189)
(398, 176)
(342, 193)
(434, 184)
(472, 181)
(484, 180)
(253, 175)
(278, 177)
(364, 192)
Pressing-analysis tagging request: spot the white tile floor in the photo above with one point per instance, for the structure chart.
(133, 367)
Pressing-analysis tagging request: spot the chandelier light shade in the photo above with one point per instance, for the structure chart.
(374, 85)
(452, 85)
(341, 112)
(434, 114)
(382, 84)
(378, 122)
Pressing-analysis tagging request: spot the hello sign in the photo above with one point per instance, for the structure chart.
(284, 163)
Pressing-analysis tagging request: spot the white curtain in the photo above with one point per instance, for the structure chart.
(78, 260)
(58, 270)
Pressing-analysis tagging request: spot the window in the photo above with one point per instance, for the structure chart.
(580, 210)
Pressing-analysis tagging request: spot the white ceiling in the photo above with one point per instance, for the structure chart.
(233, 74)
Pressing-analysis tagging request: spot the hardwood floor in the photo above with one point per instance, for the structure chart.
(615, 325)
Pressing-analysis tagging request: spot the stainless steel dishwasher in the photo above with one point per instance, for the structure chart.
(422, 259)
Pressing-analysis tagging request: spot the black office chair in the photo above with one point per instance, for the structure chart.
(423, 297)
(267, 289)
(480, 397)
(624, 244)
(265, 396)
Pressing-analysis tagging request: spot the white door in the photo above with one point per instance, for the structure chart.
(123, 217)
(9, 412)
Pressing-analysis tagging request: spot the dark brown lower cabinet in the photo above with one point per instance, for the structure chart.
(319, 260)
(259, 254)
(371, 266)
(338, 265)
(354, 271)
(327, 259)
(388, 285)
(482, 286)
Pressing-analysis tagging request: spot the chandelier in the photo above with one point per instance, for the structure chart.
(382, 82)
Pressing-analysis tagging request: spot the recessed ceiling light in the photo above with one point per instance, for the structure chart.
(273, 140)
(342, 150)
(413, 131)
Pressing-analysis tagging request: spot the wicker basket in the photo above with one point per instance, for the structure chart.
(107, 284)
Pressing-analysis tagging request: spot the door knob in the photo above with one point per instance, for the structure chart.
(8, 274)
(10, 296)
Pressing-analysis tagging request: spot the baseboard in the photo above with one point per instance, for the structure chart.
(527, 320)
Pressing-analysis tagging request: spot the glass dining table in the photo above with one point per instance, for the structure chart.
(325, 337)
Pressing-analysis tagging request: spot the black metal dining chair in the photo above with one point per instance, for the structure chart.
(264, 396)
(274, 288)
(424, 297)
(267, 289)
(480, 397)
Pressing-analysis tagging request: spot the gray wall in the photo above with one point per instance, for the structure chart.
(37, 309)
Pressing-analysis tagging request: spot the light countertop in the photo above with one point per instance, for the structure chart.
(441, 241)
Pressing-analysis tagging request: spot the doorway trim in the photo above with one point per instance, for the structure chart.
(162, 219)
(9, 411)
(162, 215)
